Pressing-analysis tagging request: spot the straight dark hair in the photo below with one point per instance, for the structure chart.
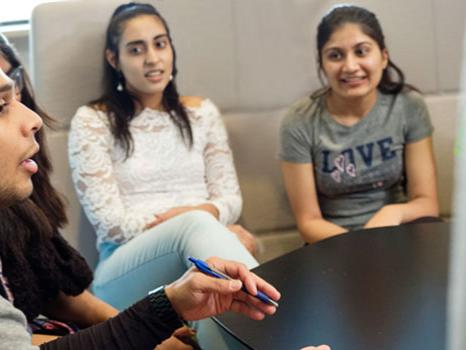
(393, 79)
(120, 106)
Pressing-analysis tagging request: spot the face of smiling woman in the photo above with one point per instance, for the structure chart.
(353, 63)
(145, 59)
(18, 126)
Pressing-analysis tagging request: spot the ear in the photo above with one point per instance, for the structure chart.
(18, 94)
(111, 59)
(385, 58)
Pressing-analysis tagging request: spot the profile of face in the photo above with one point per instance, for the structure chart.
(353, 62)
(18, 126)
(145, 57)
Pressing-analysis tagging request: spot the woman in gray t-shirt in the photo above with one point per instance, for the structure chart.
(357, 153)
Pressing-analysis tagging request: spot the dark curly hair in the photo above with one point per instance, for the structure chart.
(37, 261)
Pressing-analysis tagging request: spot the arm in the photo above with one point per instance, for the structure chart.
(194, 296)
(90, 144)
(13, 333)
(300, 187)
(222, 182)
(422, 188)
(85, 309)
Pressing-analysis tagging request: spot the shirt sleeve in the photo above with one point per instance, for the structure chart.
(222, 182)
(418, 122)
(295, 136)
(135, 328)
(13, 332)
(90, 145)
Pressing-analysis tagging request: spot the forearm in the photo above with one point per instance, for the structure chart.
(210, 208)
(395, 214)
(417, 208)
(84, 309)
(136, 328)
(314, 230)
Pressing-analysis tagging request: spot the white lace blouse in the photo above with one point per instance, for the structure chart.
(121, 196)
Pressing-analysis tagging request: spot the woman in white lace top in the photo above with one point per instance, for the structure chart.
(153, 170)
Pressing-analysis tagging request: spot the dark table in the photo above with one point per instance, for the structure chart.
(366, 290)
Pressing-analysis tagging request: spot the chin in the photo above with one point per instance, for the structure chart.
(9, 198)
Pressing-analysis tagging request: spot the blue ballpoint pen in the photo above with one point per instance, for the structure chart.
(206, 269)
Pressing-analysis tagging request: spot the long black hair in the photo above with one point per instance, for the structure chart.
(120, 105)
(393, 79)
(37, 261)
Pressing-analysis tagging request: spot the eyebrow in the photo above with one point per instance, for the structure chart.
(356, 45)
(6, 87)
(139, 42)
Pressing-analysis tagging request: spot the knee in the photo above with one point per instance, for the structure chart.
(200, 217)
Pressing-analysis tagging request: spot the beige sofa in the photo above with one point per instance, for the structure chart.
(253, 58)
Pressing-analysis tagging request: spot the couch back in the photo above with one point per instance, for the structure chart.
(253, 58)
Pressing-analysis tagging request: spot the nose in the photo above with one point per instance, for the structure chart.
(30, 122)
(350, 63)
(151, 56)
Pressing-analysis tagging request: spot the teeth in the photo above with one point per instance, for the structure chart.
(154, 73)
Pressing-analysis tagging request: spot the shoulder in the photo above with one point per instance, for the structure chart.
(90, 113)
(192, 101)
(89, 119)
(411, 99)
(301, 112)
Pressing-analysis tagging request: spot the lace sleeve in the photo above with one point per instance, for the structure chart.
(90, 144)
(222, 182)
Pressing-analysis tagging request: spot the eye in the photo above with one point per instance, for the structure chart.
(334, 55)
(4, 103)
(362, 51)
(161, 43)
(135, 50)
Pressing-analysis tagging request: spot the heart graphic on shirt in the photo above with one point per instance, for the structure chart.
(351, 170)
(336, 175)
(340, 162)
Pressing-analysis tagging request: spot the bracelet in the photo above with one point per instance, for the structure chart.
(163, 308)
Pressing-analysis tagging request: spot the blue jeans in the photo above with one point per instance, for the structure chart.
(159, 256)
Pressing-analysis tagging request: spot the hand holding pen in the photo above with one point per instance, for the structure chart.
(211, 271)
(207, 296)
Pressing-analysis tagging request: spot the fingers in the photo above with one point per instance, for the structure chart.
(255, 303)
(251, 281)
(241, 307)
(157, 220)
(207, 284)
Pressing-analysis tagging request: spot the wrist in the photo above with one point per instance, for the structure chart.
(164, 309)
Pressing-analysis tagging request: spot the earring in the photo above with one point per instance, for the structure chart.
(171, 77)
(120, 86)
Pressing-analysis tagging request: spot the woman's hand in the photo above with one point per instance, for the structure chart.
(245, 237)
(389, 215)
(171, 213)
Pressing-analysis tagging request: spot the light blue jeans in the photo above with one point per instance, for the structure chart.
(157, 257)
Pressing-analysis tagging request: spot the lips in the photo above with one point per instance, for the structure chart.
(154, 73)
(349, 80)
(29, 164)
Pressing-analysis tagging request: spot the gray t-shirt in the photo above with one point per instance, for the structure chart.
(358, 169)
(13, 332)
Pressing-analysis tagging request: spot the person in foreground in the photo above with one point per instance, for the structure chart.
(358, 152)
(149, 321)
